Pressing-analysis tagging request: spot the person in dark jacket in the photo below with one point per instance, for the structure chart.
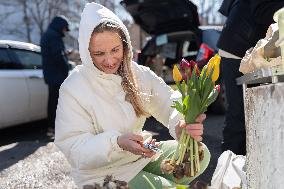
(55, 63)
(247, 22)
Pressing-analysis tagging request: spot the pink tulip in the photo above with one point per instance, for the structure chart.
(192, 63)
(184, 64)
(185, 69)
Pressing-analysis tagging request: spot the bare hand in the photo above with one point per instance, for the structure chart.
(133, 143)
(195, 130)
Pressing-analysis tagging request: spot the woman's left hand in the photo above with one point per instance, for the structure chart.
(195, 130)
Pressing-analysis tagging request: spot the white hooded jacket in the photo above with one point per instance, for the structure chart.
(92, 111)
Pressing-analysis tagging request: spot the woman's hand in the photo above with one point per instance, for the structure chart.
(134, 144)
(195, 130)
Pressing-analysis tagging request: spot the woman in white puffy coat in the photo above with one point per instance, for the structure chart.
(104, 103)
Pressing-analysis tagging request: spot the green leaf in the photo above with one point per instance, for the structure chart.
(180, 89)
(178, 106)
(203, 77)
(208, 87)
(197, 100)
(183, 87)
(203, 109)
(185, 104)
(194, 78)
(207, 80)
(203, 72)
(212, 97)
(194, 107)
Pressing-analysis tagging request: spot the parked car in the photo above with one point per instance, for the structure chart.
(175, 34)
(23, 94)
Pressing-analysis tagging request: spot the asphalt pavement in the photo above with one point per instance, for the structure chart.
(28, 156)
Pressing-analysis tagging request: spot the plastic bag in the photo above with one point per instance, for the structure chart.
(230, 172)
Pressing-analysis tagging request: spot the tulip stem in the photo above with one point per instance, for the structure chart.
(181, 138)
(196, 156)
(191, 157)
(180, 90)
(183, 149)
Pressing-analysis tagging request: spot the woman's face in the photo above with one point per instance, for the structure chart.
(106, 50)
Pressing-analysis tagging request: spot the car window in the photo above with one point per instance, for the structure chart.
(5, 61)
(169, 50)
(29, 59)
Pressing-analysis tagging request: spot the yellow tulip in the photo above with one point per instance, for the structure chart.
(216, 71)
(214, 63)
(176, 74)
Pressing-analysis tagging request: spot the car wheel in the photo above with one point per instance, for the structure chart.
(220, 104)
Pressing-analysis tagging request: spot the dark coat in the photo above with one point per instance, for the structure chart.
(54, 59)
(247, 22)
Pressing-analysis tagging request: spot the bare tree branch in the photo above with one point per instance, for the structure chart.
(26, 20)
(30, 18)
(3, 17)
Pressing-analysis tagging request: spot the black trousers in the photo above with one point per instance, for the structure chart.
(234, 134)
(53, 94)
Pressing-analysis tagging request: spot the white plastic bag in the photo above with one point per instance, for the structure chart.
(229, 172)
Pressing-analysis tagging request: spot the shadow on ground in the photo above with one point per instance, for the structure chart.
(18, 142)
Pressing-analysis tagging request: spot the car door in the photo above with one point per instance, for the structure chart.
(14, 96)
(38, 91)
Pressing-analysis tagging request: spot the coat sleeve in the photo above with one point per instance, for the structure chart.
(75, 136)
(57, 53)
(161, 99)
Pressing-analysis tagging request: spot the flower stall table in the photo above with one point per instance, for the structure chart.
(263, 92)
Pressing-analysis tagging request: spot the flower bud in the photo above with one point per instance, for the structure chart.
(176, 74)
(184, 64)
(214, 63)
(217, 87)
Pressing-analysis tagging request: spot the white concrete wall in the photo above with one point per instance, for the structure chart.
(265, 136)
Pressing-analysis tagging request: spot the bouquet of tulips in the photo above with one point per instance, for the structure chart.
(198, 91)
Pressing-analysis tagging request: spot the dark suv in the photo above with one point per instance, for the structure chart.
(175, 34)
